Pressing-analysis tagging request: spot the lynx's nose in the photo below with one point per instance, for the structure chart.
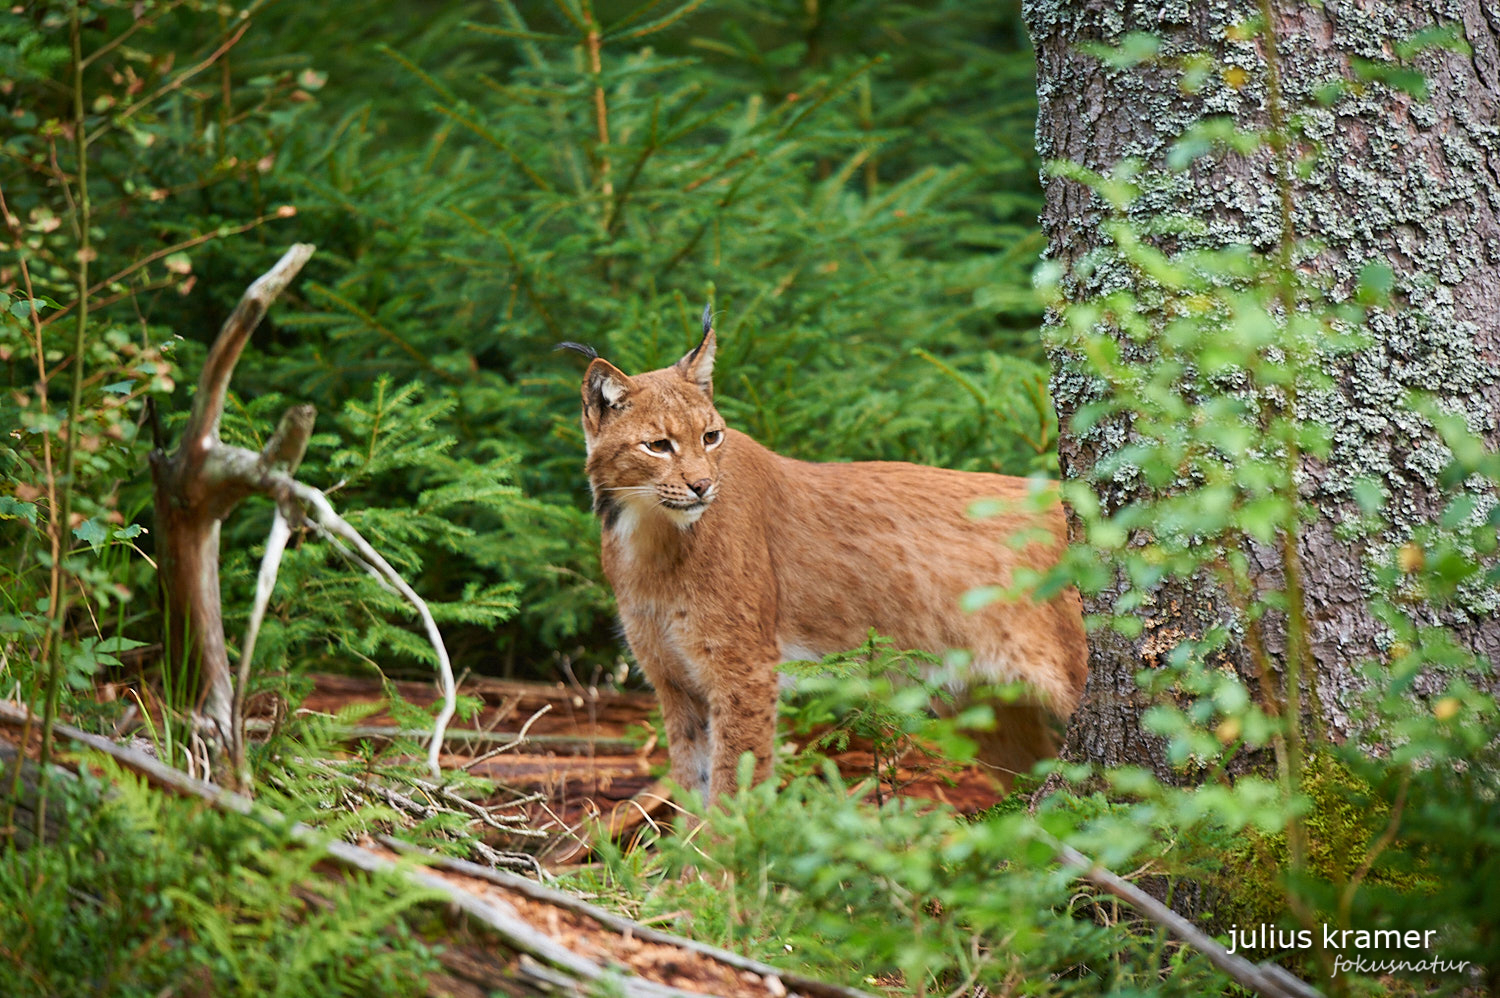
(701, 486)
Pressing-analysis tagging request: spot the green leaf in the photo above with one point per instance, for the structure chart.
(1400, 78)
(1134, 48)
(120, 387)
(1375, 282)
(119, 644)
(1458, 511)
(93, 533)
(22, 309)
(12, 508)
(1369, 494)
(1444, 36)
(978, 599)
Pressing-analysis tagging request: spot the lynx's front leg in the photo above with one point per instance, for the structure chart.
(742, 715)
(685, 714)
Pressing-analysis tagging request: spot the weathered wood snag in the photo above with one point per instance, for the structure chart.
(196, 488)
(200, 483)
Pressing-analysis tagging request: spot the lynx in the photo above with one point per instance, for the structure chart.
(728, 559)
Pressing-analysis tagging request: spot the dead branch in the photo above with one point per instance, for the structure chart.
(513, 743)
(265, 583)
(512, 824)
(1263, 978)
(543, 961)
(550, 744)
(196, 488)
(619, 923)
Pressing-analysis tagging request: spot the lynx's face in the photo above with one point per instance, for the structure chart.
(654, 439)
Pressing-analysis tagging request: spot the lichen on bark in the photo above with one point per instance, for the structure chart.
(1393, 178)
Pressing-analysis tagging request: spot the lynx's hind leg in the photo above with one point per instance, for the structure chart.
(1021, 737)
(744, 720)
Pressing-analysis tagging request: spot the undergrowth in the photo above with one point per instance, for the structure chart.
(117, 906)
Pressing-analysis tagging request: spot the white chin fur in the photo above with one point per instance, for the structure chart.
(684, 518)
(633, 511)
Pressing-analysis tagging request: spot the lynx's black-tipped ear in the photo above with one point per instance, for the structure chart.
(582, 348)
(698, 365)
(606, 390)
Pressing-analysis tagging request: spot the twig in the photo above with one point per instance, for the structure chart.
(392, 796)
(483, 813)
(53, 527)
(283, 451)
(265, 582)
(174, 83)
(513, 860)
(82, 218)
(150, 258)
(1346, 898)
(1264, 978)
(513, 743)
(502, 823)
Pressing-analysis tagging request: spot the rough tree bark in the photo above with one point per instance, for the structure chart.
(1414, 183)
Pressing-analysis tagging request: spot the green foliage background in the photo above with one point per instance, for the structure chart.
(852, 185)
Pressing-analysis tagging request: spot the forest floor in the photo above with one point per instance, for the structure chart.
(589, 764)
(593, 756)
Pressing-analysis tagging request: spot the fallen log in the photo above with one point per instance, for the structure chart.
(496, 902)
(460, 739)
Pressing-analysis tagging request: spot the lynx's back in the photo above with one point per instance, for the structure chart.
(896, 546)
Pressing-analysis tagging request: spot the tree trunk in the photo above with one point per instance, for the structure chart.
(1414, 183)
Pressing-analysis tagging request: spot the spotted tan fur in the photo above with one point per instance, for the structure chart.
(728, 559)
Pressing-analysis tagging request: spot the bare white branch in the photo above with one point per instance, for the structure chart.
(327, 521)
(265, 582)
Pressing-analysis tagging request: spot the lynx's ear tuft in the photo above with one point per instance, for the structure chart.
(606, 390)
(698, 365)
(582, 348)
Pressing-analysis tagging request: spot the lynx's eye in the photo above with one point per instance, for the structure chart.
(662, 446)
(712, 438)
